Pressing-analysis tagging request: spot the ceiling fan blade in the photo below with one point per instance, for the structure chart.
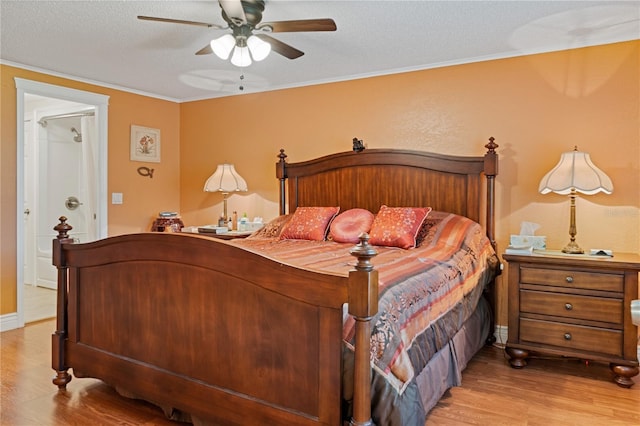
(280, 47)
(234, 11)
(205, 50)
(299, 25)
(178, 21)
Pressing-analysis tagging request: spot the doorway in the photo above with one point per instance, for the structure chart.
(62, 159)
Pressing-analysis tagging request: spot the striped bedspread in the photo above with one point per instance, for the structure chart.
(416, 286)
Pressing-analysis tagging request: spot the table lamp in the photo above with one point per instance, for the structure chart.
(226, 180)
(575, 172)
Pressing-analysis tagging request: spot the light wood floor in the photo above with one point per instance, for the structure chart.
(547, 392)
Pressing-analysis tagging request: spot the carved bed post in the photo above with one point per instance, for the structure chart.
(58, 361)
(363, 305)
(281, 174)
(491, 171)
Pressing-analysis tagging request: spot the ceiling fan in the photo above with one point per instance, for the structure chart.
(244, 19)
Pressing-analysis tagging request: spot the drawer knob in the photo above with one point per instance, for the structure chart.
(569, 279)
(568, 306)
(567, 336)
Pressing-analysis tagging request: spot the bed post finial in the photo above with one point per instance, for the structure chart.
(364, 252)
(491, 146)
(491, 158)
(363, 305)
(281, 174)
(63, 228)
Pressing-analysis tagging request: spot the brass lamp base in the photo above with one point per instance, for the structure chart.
(572, 248)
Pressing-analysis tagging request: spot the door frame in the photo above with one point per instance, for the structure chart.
(101, 104)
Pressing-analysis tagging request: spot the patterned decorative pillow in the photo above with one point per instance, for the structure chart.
(429, 227)
(309, 223)
(272, 229)
(348, 225)
(397, 226)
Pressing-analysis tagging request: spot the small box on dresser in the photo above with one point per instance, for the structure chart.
(574, 306)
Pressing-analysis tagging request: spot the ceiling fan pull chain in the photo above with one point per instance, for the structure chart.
(241, 78)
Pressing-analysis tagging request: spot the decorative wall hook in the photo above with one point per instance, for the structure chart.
(145, 171)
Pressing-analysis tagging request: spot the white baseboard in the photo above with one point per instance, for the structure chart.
(9, 321)
(502, 332)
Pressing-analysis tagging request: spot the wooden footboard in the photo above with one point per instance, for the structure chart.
(201, 326)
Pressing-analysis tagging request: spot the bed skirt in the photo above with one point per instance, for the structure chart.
(441, 372)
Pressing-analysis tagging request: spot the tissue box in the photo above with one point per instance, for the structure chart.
(254, 226)
(538, 242)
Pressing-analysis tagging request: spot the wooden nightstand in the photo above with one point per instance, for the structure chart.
(574, 306)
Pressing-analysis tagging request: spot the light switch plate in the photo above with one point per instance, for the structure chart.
(116, 198)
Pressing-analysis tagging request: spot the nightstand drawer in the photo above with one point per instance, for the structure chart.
(571, 306)
(572, 279)
(575, 337)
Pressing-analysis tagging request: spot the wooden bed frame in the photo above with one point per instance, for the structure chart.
(201, 326)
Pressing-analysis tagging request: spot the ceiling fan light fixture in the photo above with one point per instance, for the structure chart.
(241, 57)
(223, 46)
(259, 49)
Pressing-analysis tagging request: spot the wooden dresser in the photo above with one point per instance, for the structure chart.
(574, 306)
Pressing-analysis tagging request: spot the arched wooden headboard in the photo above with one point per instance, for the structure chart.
(373, 177)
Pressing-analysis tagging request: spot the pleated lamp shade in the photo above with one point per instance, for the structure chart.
(575, 170)
(225, 179)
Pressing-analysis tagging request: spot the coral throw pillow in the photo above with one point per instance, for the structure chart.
(397, 226)
(309, 223)
(348, 225)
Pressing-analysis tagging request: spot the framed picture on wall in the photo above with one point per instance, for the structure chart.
(145, 144)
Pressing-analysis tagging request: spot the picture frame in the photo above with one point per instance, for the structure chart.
(145, 144)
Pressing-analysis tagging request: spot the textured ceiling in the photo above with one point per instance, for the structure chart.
(103, 41)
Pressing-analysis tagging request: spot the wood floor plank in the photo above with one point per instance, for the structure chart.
(549, 391)
(546, 392)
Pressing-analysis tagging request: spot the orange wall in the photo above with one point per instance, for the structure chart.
(535, 106)
(143, 197)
